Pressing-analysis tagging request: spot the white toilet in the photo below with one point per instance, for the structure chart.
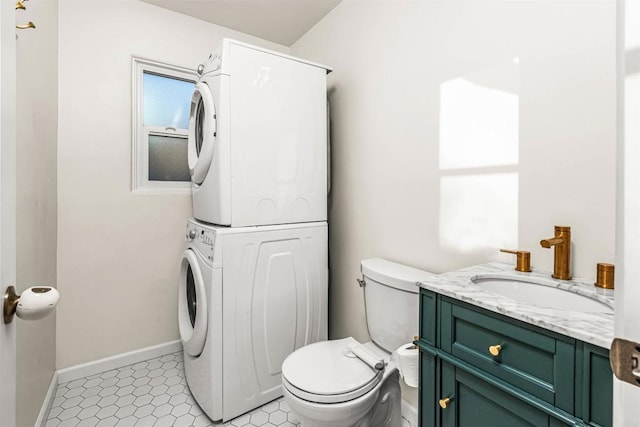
(345, 383)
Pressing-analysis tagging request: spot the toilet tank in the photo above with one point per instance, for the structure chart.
(391, 301)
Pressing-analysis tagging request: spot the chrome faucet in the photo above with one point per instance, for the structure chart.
(562, 252)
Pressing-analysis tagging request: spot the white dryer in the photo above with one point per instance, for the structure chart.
(258, 138)
(248, 298)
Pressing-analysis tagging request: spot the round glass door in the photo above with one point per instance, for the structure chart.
(192, 305)
(202, 133)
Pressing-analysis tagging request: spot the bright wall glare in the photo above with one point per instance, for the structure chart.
(479, 211)
(479, 118)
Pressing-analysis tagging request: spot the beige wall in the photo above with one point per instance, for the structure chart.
(119, 253)
(416, 80)
(37, 124)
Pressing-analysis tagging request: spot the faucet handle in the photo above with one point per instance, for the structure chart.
(523, 259)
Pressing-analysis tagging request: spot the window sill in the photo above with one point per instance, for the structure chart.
(163, 191)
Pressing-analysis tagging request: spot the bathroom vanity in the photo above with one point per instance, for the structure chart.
(492, 360)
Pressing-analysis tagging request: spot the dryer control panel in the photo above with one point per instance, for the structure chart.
(201, 239)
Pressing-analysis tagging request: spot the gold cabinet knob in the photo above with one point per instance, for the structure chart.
(444, 402)
(495, 349)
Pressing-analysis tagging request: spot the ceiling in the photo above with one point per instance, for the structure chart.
(279, 21)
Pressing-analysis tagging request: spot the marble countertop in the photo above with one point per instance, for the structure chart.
(594, 328)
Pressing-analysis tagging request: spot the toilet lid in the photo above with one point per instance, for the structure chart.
(328, 372)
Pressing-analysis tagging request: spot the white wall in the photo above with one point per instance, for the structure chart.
(119, 252)
(417, 80)
(37, 124)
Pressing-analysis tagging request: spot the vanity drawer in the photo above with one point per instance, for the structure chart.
(529, 358)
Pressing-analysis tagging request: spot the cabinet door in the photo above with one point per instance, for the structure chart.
(475, 403)
(596, 387)
(428, 389)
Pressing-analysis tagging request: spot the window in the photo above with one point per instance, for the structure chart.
(161, 102)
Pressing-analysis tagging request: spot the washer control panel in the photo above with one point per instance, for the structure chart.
(201, 239)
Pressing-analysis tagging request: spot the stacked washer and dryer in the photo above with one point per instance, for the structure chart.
(254, 272)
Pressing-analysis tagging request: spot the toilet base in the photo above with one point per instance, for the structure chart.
(381, 407)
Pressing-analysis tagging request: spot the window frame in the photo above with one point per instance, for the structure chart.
(140, 182)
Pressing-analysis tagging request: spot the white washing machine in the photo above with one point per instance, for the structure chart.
(258, 138)
(248, 298)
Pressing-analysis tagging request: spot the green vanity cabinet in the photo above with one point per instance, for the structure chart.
(533, 378)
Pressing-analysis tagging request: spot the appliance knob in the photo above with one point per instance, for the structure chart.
(192, 234)
(200, 69)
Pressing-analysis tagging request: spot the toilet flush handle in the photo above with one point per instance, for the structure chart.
(367, 357)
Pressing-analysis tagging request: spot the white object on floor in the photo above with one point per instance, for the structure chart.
(325, 385)
(248, 297)
(257, 147)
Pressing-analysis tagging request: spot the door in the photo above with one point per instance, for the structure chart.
(192, 305)
(626, 405)
(202, 132)
(428, 391)
(7, 206)
(208, 150)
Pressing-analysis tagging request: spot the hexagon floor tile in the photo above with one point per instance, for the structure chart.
(148, 394)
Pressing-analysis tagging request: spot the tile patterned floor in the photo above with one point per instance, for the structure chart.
(148, 394)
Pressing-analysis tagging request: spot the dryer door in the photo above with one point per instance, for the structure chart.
(192, 305)
(202, 132)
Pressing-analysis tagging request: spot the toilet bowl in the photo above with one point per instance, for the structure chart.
(326, 384)
(345, 383)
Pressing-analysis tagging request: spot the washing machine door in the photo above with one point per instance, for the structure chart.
(202, 132)
(192, 305)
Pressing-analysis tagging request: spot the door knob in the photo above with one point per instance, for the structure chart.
(34, 303)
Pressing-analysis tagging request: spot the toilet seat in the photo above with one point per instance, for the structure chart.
(329, 372)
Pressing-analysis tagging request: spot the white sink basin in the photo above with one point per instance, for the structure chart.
(541, 292)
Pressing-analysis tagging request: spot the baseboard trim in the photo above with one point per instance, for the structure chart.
(118, 361)
(48, 400)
